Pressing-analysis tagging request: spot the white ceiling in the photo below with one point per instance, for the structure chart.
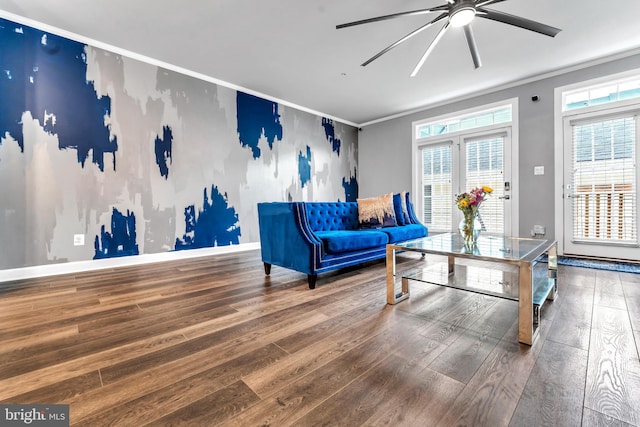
(290, 50)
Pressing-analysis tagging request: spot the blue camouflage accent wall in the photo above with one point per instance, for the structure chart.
(350, 188)
(140, 159)
(330, 134)
(121, 240)
(216, 224)
(163, 150)
(257, 118)
(45, 76)
(304, 166)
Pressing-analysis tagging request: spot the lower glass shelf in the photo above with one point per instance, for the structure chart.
(542, 292)
(482, 278)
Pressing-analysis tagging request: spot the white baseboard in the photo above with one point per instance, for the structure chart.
(80, 266)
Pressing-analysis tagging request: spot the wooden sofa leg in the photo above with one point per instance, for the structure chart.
(312, 280)
(267, 268)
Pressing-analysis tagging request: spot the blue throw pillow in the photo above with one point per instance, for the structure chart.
(406, 200)
(413, 218)
(397, 207)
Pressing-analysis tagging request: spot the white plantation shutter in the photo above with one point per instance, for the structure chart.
(603, 188)
(437, 192)
(484, 167)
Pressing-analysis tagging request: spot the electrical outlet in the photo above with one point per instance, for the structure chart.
(78, 240)
(538, 229)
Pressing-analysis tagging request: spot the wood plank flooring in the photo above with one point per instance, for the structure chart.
(212, 341)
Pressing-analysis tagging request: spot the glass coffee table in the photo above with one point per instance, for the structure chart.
(532, 281)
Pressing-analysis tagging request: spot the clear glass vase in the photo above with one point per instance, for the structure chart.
(470, 228)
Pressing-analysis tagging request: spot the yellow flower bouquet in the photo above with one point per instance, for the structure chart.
(469, 203)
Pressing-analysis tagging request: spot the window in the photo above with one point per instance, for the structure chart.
(500, 114)
(605, 140)
(437, 191)
(604, 180)
(484, 166)
(612, 91)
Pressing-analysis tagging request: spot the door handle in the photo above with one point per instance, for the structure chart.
(507, 197)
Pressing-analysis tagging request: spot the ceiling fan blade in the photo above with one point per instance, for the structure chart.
(405, 38)
(430, 49)
(480, 3)
(518, 21)
(473, 48)
(394, 15)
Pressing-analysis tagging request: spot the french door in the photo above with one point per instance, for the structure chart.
(601, 185)
(459, 163)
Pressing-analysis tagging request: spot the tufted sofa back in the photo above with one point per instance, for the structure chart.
(327, 216)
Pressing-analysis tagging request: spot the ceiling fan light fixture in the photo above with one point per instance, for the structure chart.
(462, 16)
(456, 13)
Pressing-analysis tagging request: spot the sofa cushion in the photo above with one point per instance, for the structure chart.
(337, 241)
(375, 212)
(405, 232)
(326, 216)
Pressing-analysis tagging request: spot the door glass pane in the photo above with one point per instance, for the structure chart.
(437, 196)
(484, 159)
(604, 181)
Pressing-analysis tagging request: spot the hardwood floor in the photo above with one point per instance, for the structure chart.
(212, 341)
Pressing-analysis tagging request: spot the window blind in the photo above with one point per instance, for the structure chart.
(604, 179)
(484, 166)
(437, 196)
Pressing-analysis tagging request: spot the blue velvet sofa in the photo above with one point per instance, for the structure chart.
(316, 237)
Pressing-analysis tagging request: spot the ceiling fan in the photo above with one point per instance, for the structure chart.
(455, 13)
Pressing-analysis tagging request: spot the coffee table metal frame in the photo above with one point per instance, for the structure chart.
(537, 281)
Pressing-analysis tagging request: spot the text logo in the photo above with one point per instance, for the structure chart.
(34, 415)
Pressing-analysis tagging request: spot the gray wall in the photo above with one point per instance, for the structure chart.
(384, 148)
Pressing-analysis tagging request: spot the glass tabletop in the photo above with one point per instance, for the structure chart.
(489, 247)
